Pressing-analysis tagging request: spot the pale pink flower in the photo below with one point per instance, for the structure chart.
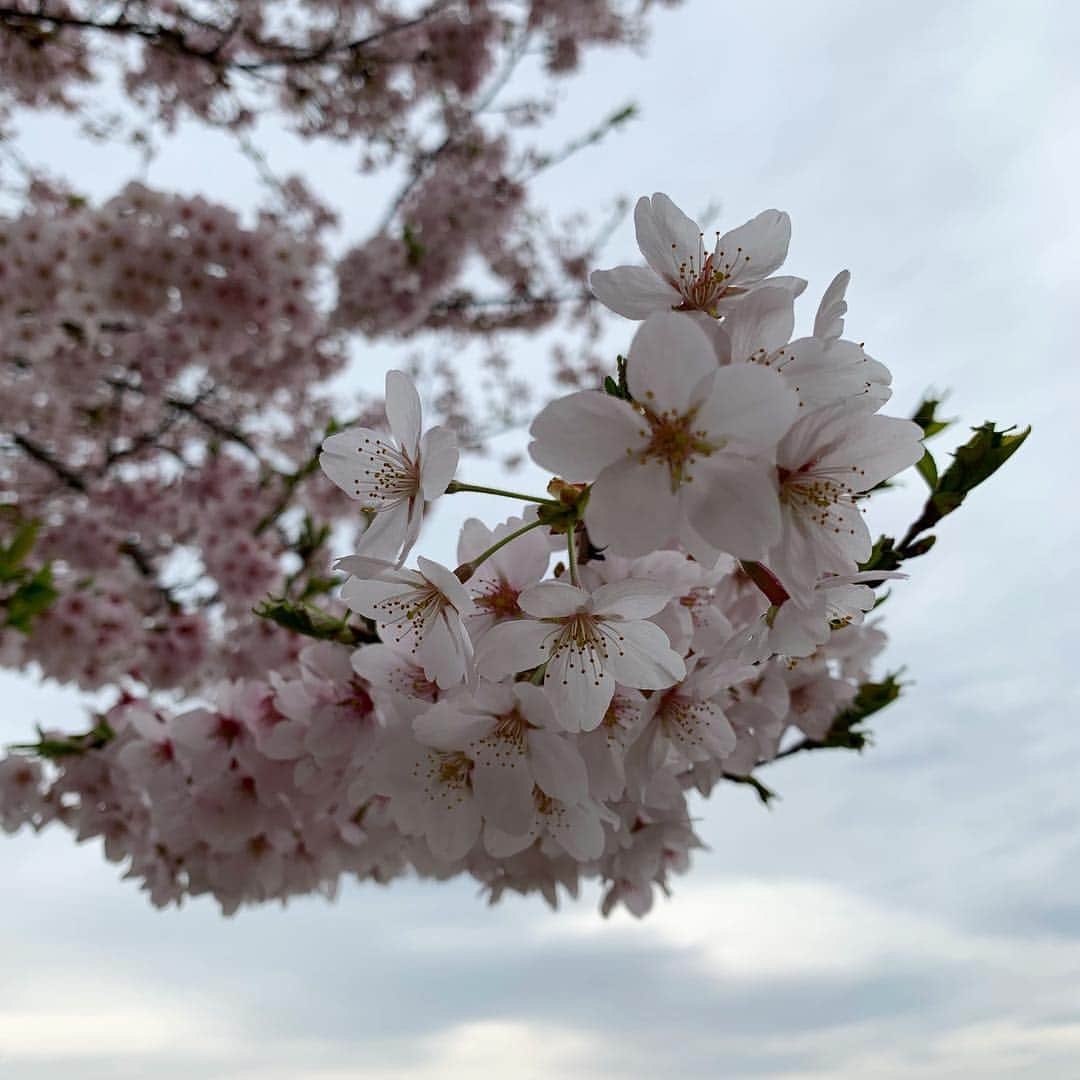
(430, 793)
(510, 734)
(803, 622)
(685, 724)
(587, 642)
(392, 476)
(827, 459)
(420, 611)
(399, 686)
(681, 274)
(690, 458)
(498, 580)
(823, 369)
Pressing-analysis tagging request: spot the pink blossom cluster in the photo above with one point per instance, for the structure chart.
(341, 68)
(148, 349)
(536, 725)
(465, 207)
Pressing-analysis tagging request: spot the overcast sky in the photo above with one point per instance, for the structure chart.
(913, 912)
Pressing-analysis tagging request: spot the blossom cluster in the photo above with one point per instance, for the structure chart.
(532, 724)
(343, 68)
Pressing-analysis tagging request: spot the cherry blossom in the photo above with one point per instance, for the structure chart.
(419, 610)
(827, 459)
(392, 478)
(681, 275)
(510, 735)
(694, 448)
(585, 642)
(533, 726)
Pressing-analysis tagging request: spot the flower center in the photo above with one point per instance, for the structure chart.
(410, 613)
(815, 493)
(588, 643)
(389, 476)
(450, 771)
(676, 443)
(703, 279)
(498, 598)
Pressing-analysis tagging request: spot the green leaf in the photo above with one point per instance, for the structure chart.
(977, 460)
(618, 388)
(882, 556)
(927, 467)
(57, 747)
(926, 417)
(14, 554)
(312, 622)
(30, 599)
(871, 698)
(320, 586)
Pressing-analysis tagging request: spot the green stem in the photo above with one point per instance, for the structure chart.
(456, 485)
(571, 554)
(466, 570)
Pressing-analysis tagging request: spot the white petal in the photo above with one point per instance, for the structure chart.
(578, 435)
(445, 650)
(363, 566)
(644, 659)
(829, 321)
(634, 292)
(501, 845)
(735, 506)
(509, 647)
(631, 599)
(669, 357)
(756, 249)
(474, 538)
(582, 835)
(503, 784)
(631, 509)
(403, 411)
(350, 443)
(879, 447)
(552, 600)
(533, 704)
(452, 828)
(749, 403)
(363, 595)
(387, 534)
(438, 461)
(762, 320)
(579, 694)
(665, 235)
(446, 727)
(447, 583)
(558, 767)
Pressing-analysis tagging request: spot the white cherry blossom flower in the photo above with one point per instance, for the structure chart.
(430, 793)
(588, 642)
(420, 611)
(690, 458)
(802, 623)
(398, 685)
(681, 274)
(510, 734)
(499, 579)
(576, 829)
(823, 369)
(826, 460)
(392, 475)
(685, 723)
(604, 748)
